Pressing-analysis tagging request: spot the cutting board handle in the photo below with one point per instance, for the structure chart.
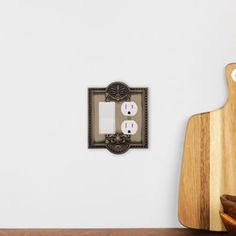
(230, 71)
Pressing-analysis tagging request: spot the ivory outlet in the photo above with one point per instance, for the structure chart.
(129, 108)
(129, 127)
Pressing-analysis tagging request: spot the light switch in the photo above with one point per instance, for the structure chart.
(107, 120)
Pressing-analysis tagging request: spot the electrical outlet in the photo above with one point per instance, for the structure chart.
(129, 127)
(129, 108)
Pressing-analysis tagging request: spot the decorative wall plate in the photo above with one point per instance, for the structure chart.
(118, 117)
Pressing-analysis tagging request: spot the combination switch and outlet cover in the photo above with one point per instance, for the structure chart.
(118, 118)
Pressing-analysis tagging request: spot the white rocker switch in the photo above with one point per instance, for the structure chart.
(107, 119)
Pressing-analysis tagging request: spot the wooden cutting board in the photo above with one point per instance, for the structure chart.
(209, 163)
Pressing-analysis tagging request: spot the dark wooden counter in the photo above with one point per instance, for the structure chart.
(107, 232)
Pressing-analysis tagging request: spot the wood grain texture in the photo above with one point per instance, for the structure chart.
(106, 232)
(209, 163)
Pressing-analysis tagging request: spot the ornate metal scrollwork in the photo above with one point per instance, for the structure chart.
(117, 91)
(117, 143)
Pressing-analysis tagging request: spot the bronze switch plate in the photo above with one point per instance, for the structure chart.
(119, 141)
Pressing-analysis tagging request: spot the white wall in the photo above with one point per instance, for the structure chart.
(50, 52)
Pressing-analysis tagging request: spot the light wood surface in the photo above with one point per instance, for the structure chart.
(106, 232)
(209, 163)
